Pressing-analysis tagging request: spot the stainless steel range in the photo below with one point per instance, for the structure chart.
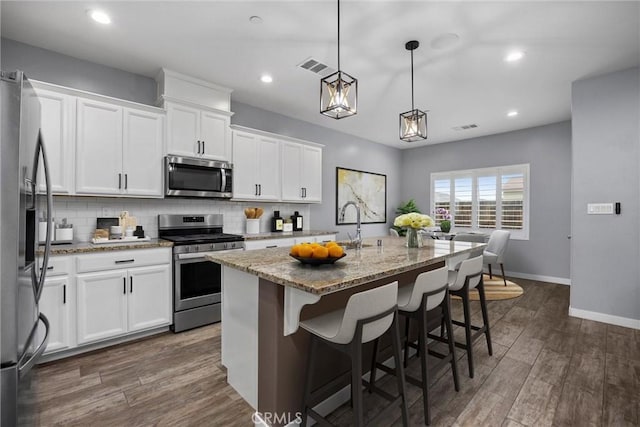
(197, 283)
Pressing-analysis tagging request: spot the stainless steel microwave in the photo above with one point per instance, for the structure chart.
(194, 177)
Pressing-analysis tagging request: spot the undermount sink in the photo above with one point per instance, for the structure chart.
(349, 245)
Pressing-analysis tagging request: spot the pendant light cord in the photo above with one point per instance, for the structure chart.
(338, 35)
(412, 107)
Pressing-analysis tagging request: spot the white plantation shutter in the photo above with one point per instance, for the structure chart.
(484, 199)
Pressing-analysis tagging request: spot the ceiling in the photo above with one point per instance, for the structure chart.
(466, 82)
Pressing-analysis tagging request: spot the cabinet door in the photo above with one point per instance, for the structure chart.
(244, 166)
(101, 305)
(292, 170)
(268, 162)
(183, 128)
(99, 148)
(214, 133)
(150, 293)
(311, 176)
(57, 123)
(56, 303)
(142, 148)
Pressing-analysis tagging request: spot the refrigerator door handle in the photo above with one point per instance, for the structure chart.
(25, 366)
(47, 244)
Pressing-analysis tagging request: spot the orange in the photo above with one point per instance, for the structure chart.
(320, 252)
(315, 245)
(329, 244)
(335, 251)
(295, 250)
(305, 251)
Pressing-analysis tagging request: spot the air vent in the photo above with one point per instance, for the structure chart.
(465, 127)
(316, 66)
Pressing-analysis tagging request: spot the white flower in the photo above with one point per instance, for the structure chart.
(413, 220)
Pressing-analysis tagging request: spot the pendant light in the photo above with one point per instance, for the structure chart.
(413, 123)
(338, 91)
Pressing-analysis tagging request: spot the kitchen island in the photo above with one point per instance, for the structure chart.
(266, 292)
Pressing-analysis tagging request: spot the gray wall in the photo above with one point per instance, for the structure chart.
(548, 151)
(606, 248)
(53, 67)
(340, 150)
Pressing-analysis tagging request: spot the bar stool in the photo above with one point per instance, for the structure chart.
(427, 301)
(367, 316)
(469, 276)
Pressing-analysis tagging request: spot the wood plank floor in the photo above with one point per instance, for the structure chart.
(547, 369)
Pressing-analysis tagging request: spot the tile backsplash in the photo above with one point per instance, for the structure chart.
(83, 211)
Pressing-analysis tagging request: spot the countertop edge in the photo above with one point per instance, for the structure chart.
(86, 248)
(283, 235)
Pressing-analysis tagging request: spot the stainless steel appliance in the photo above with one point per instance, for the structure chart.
(21, 270)
(194, 177)
(197, 283)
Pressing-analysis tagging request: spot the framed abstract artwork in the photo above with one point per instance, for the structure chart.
(367, 189)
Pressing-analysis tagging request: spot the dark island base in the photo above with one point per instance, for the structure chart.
(282, 359)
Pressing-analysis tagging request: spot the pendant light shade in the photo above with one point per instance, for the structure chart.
(338, 91)
(413, 123)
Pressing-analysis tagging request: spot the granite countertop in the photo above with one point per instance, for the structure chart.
(283, 235)
(358, 267)
(87, 247)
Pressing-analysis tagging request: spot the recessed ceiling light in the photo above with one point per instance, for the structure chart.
(512, 113)
(266, 78)
(514, 56)
(100, 16)
(255, 19)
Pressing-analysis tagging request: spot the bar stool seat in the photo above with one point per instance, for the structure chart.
(425, 299)
(469, 276)
(366, 317)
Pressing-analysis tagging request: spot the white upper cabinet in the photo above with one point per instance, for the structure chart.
(301, 172)
(142, 153)
(195, 132)
(58, 132)
(256, 173)
(99, 148)
(119, 150)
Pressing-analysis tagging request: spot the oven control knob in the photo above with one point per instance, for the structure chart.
(226, 245)
(196, 248)
(233, 245)
(212, 247)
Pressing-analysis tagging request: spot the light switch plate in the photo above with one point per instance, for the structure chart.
(600, 208)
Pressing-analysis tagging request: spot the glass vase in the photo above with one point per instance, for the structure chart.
(414, 239)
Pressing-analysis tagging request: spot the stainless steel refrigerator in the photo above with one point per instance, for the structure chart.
(22, 269)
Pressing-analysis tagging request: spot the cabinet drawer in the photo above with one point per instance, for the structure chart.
(122, 259)
(268, 243)
(57, 265)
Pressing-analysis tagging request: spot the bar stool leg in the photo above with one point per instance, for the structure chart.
(467, 327)
(503, 278)
(406, 341)
(485, 316)
(422, 344)
(307, 385)
(395, 338)
(446, 308)
(356, 381)
(372, 374)
(490, 274)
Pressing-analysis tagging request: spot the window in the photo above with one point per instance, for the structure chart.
(484, 199)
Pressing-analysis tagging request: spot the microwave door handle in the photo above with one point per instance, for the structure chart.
(223, 182)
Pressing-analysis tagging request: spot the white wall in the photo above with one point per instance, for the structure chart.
(605, 249)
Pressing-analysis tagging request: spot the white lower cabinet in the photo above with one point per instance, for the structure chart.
(149, 304)
(286, 241)
(57, 302)
(102, 305)
(90, 298)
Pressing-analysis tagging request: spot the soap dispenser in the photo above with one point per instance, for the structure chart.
(277, 222)
(296, 218)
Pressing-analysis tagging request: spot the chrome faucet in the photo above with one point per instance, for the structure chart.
(358, 238)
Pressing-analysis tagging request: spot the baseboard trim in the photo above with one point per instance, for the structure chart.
(539, 278)
(605, 318)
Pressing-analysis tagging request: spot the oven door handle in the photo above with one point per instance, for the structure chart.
(202, 254)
